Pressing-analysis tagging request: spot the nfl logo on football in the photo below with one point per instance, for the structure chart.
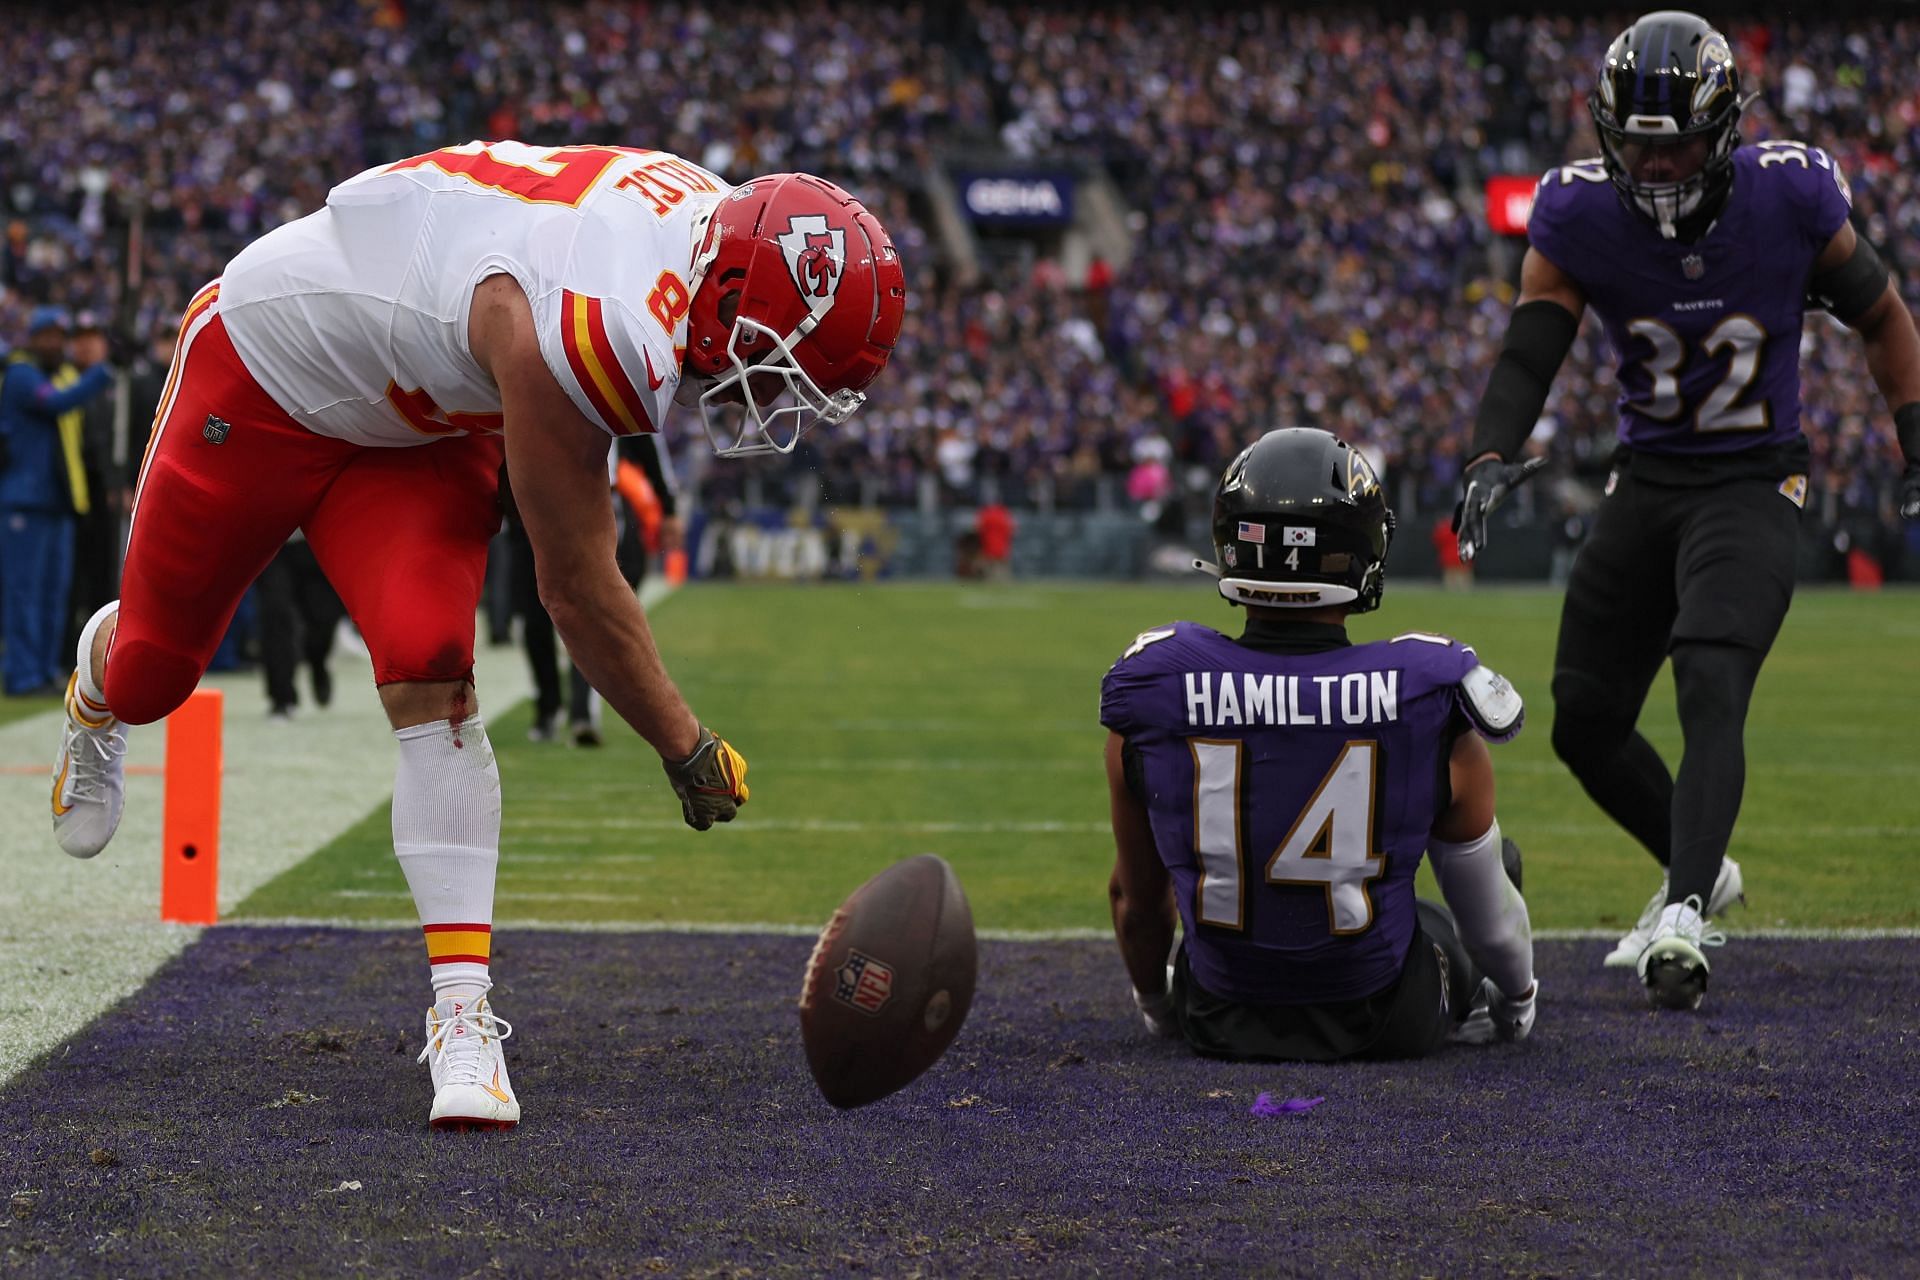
(1693, 266)
(863, 982)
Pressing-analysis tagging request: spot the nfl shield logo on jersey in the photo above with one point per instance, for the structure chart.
(863, 982)
(1693, 266)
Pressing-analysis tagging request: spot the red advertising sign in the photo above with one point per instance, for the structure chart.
(1509, 200)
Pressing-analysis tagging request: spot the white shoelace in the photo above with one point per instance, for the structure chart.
(94, 753)
(1701, 934)
(465, 1057)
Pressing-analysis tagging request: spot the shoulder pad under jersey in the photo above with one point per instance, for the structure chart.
(1492, 703)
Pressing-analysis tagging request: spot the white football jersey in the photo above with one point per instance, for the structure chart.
(354, 318)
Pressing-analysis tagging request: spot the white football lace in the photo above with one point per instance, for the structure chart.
(94, 755)
(465, 1057)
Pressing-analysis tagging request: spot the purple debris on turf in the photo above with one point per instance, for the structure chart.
(1264, 1105)
(670, 1124)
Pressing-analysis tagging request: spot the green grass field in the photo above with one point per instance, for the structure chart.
(12, 709)
(882, 721)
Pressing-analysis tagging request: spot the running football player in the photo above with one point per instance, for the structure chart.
(1277, 791)
(361, 373)
(1701, 257)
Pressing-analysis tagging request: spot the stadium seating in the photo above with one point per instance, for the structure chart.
(1307, 237)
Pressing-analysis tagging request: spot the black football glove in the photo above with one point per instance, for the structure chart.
(711, 783)
(1485, 485)
(1906, 427)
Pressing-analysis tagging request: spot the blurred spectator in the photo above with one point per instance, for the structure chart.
(1301, 185)
(43, 487)
(1455, 573)
(299, 614)
(995, 527)
(109, 490)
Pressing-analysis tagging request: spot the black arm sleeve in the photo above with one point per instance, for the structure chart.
(1850, 288)
(1538, 338)
(1906, 425)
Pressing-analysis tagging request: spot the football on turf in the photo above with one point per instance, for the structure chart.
(889, 982)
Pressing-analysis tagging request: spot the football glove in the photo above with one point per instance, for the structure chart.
(1910, 492)
(1497, 1018)
(711, 783)
(1486, 484)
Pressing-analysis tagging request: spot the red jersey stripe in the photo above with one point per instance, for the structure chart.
(579, 320)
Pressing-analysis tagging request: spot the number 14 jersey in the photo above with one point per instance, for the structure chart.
(354, 318)
(1291, 796)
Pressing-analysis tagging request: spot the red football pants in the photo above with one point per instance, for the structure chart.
(401, 533)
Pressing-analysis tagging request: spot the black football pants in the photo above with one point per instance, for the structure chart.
(1410, 1019)
(1701, 572)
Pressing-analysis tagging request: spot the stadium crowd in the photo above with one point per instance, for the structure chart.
(1304, 190)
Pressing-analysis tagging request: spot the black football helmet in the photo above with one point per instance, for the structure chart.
(1666, 80)
(1300, 522)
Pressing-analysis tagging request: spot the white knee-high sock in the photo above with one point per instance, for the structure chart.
(446, 833)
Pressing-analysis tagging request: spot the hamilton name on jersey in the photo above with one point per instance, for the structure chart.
(1244, 699)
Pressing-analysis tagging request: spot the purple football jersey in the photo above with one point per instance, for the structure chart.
(1707, 334)
(1291, 797)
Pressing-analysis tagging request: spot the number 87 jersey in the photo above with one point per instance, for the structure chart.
(354, 319)
(1707, 333)
(1291, 796)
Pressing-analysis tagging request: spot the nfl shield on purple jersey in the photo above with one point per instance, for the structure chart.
(1290, 797)
(1707, 334)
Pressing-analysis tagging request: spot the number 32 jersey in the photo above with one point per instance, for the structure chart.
(354, 318)
(1707, 334)
(1291, 796)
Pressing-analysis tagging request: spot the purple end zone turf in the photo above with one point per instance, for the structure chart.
(206, 1125)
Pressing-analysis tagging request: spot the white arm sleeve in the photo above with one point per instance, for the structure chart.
(1491, 913)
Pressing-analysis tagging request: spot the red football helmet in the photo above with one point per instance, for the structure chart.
(793, 280)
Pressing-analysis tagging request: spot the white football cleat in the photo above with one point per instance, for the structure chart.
(1728, 891)
(89, 775)
(1674, 966)
(470, 1085)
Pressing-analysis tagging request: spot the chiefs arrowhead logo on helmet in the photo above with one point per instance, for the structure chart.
(816, 255)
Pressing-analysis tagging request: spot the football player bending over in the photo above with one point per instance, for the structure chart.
(1279, 789)
(360, 374)
(1701, 256)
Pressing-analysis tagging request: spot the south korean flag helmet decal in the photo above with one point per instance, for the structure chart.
(1668, 79)
(1300, 522)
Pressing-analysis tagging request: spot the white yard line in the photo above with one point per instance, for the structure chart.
(524, 925)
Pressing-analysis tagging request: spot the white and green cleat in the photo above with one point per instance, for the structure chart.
(1728, 892)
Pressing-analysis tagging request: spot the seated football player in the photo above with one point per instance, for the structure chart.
(1278, 789)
